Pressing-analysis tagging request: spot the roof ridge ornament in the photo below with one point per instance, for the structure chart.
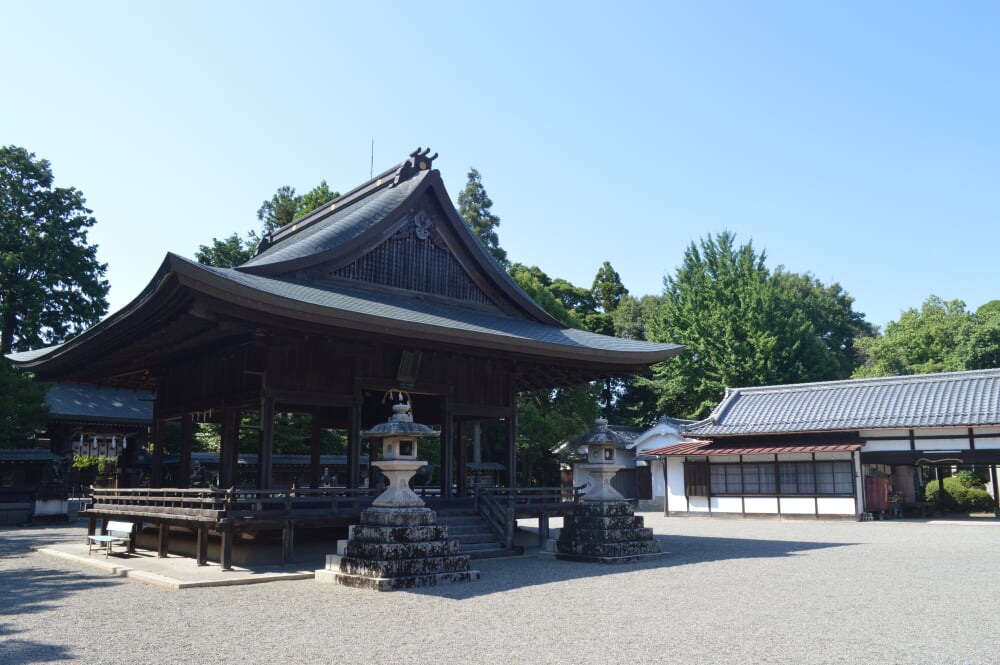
(420, 160)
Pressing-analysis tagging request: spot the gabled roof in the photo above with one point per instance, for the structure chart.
(955, 399)
(665, 426)
(370, 264)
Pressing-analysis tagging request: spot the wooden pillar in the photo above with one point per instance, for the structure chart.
(183, 478)
(202, 553)
(159, 436)
(996, 490)
(226, 547)
(543, 529)
(461, 458)
(315, 442)
(354, 449)
(373, 449)
(510, 440)
(229, 447)
(287, 542)
(266, 440)
(447, 456)
(163, 541)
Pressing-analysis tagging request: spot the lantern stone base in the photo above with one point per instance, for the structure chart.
(398, 548)
(606, 532)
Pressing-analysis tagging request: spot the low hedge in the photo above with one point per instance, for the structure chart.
(959, 497)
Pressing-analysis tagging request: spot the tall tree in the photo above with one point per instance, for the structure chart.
(739, 326)
(51, 284)
(942, 336)
(474, 205)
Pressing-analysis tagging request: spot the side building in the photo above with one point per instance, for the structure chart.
(846, 449)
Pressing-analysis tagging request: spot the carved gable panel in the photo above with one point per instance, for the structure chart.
(414, 258)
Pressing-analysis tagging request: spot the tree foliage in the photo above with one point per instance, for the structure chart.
(23, 411)
(51, 284)
(942, 336)
(743, 326)
(283, 208)
(474, 206)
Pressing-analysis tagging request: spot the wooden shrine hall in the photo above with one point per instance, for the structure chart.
(383, 288)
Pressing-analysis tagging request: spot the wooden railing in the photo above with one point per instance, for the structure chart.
(500, 506)
(210, 505)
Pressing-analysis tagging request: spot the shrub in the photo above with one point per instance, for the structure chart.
(958, 496)
(969, 479)
(980, 501)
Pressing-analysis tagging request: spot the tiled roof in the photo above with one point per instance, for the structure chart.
(440, 316)
(339, 227)
(955, 399)
(706, 448)
(73, 401)
(27, 455)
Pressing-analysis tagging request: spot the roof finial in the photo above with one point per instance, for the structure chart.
(420, 160)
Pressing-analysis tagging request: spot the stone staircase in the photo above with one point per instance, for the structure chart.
(475, 537)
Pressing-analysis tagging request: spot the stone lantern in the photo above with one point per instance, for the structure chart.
(602, 463)
(399, 456)
(603, 526)
(398, 544)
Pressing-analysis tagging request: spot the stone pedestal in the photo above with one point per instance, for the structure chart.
(606, 532)
(398, 548)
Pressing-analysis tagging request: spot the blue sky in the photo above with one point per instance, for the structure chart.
(856, 141)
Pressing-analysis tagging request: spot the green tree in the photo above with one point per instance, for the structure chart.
(942, 336)
(228, 252)
(23, 411)
(831, 311)
(51, 284)
(474, 206)
(281, 209)
(739, 326)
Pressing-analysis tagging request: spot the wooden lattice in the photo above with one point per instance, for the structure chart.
(415, 258)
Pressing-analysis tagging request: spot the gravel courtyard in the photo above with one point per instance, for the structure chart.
(728, 591)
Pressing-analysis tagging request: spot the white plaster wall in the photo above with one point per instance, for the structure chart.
(656, 473)
(697, 504)
(836, 505)
(758, 458)
(895, 444)
(762, 504)
(675, 481)
(987, 431)
(942, 444)
(798, 505)
(987, 444)
(795, 457)
(840, 456)
(885, 433)
(727, 504)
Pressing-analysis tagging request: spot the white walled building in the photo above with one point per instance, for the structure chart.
(831, 449)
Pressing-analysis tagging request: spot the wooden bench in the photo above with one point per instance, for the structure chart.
(116, 533)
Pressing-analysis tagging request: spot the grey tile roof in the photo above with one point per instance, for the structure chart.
(955, 399)
(420, 311)
(27, 455)
(339, 227)
(73, 401)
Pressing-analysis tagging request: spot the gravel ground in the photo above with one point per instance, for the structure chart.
(729, 591)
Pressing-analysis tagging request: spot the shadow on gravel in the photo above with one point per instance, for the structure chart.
(500, 575)
(27, 589)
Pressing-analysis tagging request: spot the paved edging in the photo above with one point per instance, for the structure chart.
(170, 582)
